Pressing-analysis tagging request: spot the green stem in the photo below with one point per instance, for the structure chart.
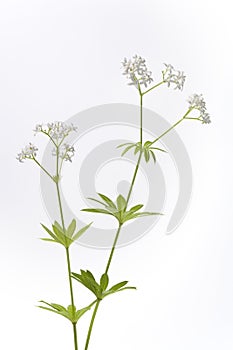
(153, 87)
(67, 249)
(69, 274)
(120, 225)
(91, 324)
(75, 336)
(141, 113)
(113, 248)
(46, 172)
(134, 178)
(172, 127)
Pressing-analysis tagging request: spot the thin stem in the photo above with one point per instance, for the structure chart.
(46, 172)
(69, 274)
(172, 127)
(141, 113)
(134, 178)
(153, 87)
(67, 249)
(113, 248)
(91, 324)
(60, 206)
(75, 336)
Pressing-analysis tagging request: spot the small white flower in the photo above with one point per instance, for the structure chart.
(38, 128)
(172, 76)
(56, 130)
(197, 102)
(28, 152)
(205, 118)
(136, 71)
(66, 152)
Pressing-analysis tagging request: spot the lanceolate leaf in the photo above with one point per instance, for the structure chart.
(136, 208)
(109, 202)
(81, 232)
(121, 202)
(96, 210)
(104, 281)
(49, 232)
(127, 149)
(71, 228)
(118, 286)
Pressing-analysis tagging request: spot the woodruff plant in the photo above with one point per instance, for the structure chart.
(136, 71)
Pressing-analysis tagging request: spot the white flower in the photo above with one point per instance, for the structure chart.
(66, 152)
(205, 118)
(197, 102)
(136, 71)
(57, 130)
(28, 152)
(172, 76)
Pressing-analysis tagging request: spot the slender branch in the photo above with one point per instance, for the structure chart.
(120, 225)
(172, 127)
(141, 112)
(133, 179)
(91, 324)
(69, 273)
(113, 248)
(153, 87)
(46, 172)
(67, 249)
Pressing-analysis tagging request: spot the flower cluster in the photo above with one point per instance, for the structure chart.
(66, 152)
(57, 130)
(197, 102)
(28, 152)
(136, 71)
(172, 76)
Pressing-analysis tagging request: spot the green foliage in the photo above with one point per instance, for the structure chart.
(70, 312)
(147, 150)
(87, 279)
(118, 209)
(64, 237)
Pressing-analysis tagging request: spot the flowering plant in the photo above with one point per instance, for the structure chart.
(139, 76)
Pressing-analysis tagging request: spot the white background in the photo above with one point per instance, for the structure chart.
(60, 57)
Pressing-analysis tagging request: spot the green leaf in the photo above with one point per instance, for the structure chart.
(146, 155)
(153, 156)
(96, 200)
(87, 279)
(118, 286)
(49, 232)
(59, 234)
(107, 200)
(81, 232)
(50, 240)
(58, 307)
(147, 143)
(136, 208)
(159, 149)
(96, 210)
(81, 312)
(126, 150)
(118, 290)
(125, 144)
(104, 281)
(146, 213)
(71, 228)
(58, 226)
(121, 203)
